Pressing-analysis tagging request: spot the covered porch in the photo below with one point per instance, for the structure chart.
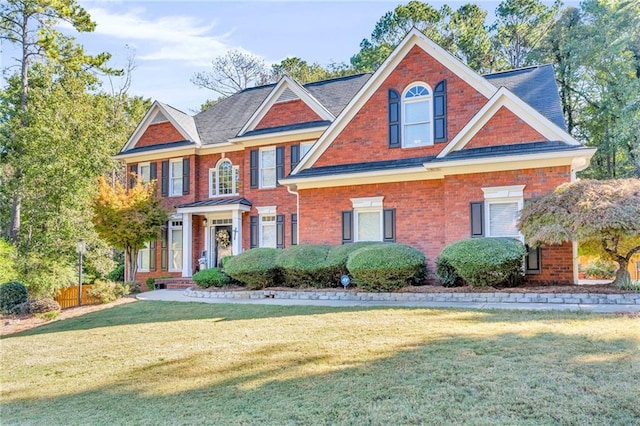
(211, 229)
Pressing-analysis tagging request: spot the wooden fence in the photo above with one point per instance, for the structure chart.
(68, 297)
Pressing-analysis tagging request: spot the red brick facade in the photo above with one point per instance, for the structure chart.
(429, 213)
(289, 112)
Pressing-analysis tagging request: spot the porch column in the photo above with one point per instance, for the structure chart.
(187, 243)
(236, 230)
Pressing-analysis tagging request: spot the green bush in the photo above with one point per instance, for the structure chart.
(447, 274)
(384, 267)
(224, 260)
(211, 277)
(304, 266)
(483, 262)
(107, 291)
(600, 270)
(117, 275)
(255, 268)
(150, 283)
(12, 294)
(7, 261)
(338, 256)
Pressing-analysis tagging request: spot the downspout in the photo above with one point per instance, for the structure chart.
(290, 191)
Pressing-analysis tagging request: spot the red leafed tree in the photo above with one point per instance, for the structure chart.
(602, 215)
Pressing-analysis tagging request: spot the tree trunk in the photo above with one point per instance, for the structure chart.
(622, 275)
(132, 255)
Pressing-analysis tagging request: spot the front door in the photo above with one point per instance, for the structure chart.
(221, 236)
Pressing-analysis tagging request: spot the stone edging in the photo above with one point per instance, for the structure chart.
(497, 297)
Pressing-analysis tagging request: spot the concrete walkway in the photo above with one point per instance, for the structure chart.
(598, 302)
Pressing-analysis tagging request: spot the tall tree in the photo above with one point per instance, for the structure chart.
(601, 215)
(31, 25)
(128, 219)
(520, 27)
(231, 73)
(303, 72)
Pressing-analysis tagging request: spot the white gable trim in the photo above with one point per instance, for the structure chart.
(285, 83)
(156, 108)
(505, 98)
(413, 38)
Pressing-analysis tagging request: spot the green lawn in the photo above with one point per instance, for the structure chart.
(189, 363)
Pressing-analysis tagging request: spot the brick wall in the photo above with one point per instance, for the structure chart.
(431, 214)
(366, 136)
(289, 112)
(159, 133)
(504, 127)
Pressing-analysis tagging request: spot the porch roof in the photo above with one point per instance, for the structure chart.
(216, 202)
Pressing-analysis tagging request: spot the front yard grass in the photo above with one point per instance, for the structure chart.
(189, 363)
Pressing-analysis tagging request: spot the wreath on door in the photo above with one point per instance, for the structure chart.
(222, 238)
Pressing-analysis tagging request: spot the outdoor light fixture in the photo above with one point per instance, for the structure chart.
(81, 249)
(204, 222)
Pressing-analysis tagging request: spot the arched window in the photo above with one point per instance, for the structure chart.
(223, 180)
(417, 129)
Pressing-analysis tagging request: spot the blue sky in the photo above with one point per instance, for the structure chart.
(172, 40)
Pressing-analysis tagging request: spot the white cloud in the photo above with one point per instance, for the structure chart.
(183, 38)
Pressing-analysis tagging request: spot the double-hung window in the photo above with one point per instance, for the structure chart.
(223, 179)
(175, 245)
(144, 258)
(502, 210)
(267, 233)
(368, 220)
(267, 167)
(144, 172)
(417, 129)
(175, 177)
(304, 148)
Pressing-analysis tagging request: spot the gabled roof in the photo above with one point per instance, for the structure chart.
(225, 120)
(536, 85)
(504, 98)
(183, 123)
(288, 87)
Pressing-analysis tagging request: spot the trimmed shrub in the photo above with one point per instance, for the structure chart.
(211, 277)
(384, 267)
(117, 275)
(304, 266)
(447, 274)
(483, 262)
(224, 260)
(255, 268)
(338, 256)
(12, 294)
(107, 291)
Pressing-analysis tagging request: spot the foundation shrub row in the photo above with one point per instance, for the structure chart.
(371, 266)
(481, 262)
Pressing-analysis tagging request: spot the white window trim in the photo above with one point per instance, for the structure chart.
(275, 167)
(367, 205)
(214, 187)
(429, 99)
(262, 212)
(147, 248)
(305, 144)
(140, 166)
(502, 195)
(169, 244)
(171, 177)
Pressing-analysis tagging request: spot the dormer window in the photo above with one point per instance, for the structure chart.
(416, 120)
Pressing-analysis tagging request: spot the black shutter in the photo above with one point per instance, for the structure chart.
(185, 176)
(294, 229)
(165, 178)
(153, 171)
(532, 260)
(253, 168)
(440, 112)
(347, 227)
(152, 256)
(280, 231)
(279, 163)
(477, 219)
(394, 119)
(389, 225)
(295, 155)
(253, 231)
(133, 170)
(164, 255)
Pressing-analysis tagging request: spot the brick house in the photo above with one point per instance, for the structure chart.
(423, 152)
